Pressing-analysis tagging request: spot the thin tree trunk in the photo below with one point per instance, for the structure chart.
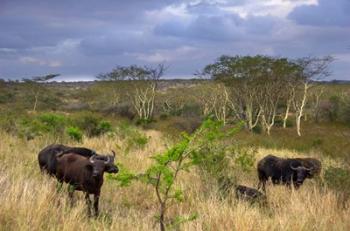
(161, 217)
(286, 114)
(300, 110)
(36, 101)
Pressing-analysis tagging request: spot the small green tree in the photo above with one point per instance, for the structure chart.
(163, 174)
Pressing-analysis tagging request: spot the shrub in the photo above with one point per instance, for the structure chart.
(134, 138)
(75, 134)
(123, 110)
(7, 97)
(257, 129)
(47, 123)
(88, 123)
(213, 156)
(92, 125)
(279, 123)
(163, 173)
(245, 158)
(191, 110)
(338, 179)
(8, 123)
(188, 125)
(53, 123)
(104, 127)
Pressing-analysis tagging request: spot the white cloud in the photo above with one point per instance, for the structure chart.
(39, 62)
(167, 55)
(276, 8)
(178, 11)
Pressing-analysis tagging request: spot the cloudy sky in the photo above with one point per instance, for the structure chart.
(80, 39)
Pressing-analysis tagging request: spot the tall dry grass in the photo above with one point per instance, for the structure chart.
(30, 201)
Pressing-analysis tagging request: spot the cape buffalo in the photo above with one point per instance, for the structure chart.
(280, 170)
(48, 157)
(84, 174)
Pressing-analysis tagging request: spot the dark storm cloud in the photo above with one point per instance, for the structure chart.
(77, 38)
(325, 13)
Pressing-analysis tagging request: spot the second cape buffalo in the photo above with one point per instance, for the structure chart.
(284, 171)
(84, 174)
(47, 157)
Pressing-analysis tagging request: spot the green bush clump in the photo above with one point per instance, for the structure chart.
(75, 134)
(134, 138)
(257, 129)
(47, 123)
(53, 123)
(338, 179)
(245, 159)
(213, 155)
(8, 123)
(104, 127)
(279, 123)
(92, 124)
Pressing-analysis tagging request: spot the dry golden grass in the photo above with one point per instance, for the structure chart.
(29, 201)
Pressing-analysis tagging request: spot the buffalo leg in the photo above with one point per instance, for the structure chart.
(71, 189)
(88, 202)
(96, 199)
(262, 180)
(261, 184)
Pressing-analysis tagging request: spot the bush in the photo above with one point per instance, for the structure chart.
(92, 125)
(338, 179)
(75, 134)
(123, 110)
(52, 123)
(279, 123)
(257, 129)
(8, 123)
(134, 138)
(104, 127)
(191, 110)
(213, 157)
(245, 159)
(47, 123)
(7, 97)
(188, 125)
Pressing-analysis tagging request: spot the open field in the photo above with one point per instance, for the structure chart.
(29, 200)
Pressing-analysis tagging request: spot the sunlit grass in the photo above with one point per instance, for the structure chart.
(30, 201)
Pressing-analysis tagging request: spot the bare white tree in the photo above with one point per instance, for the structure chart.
(143, 82)
(310, 69)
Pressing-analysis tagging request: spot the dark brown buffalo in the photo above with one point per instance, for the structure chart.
(83, 174)
(282, 171)
(48, 157)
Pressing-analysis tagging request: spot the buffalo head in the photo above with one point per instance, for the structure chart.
(100, 164)
(300, 174)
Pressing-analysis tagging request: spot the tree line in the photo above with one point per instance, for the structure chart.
(245, 88)
(259, 90)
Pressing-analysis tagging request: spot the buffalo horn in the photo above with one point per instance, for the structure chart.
(91, 159)
(108, 160)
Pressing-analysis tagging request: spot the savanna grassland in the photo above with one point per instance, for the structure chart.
(99, 116)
